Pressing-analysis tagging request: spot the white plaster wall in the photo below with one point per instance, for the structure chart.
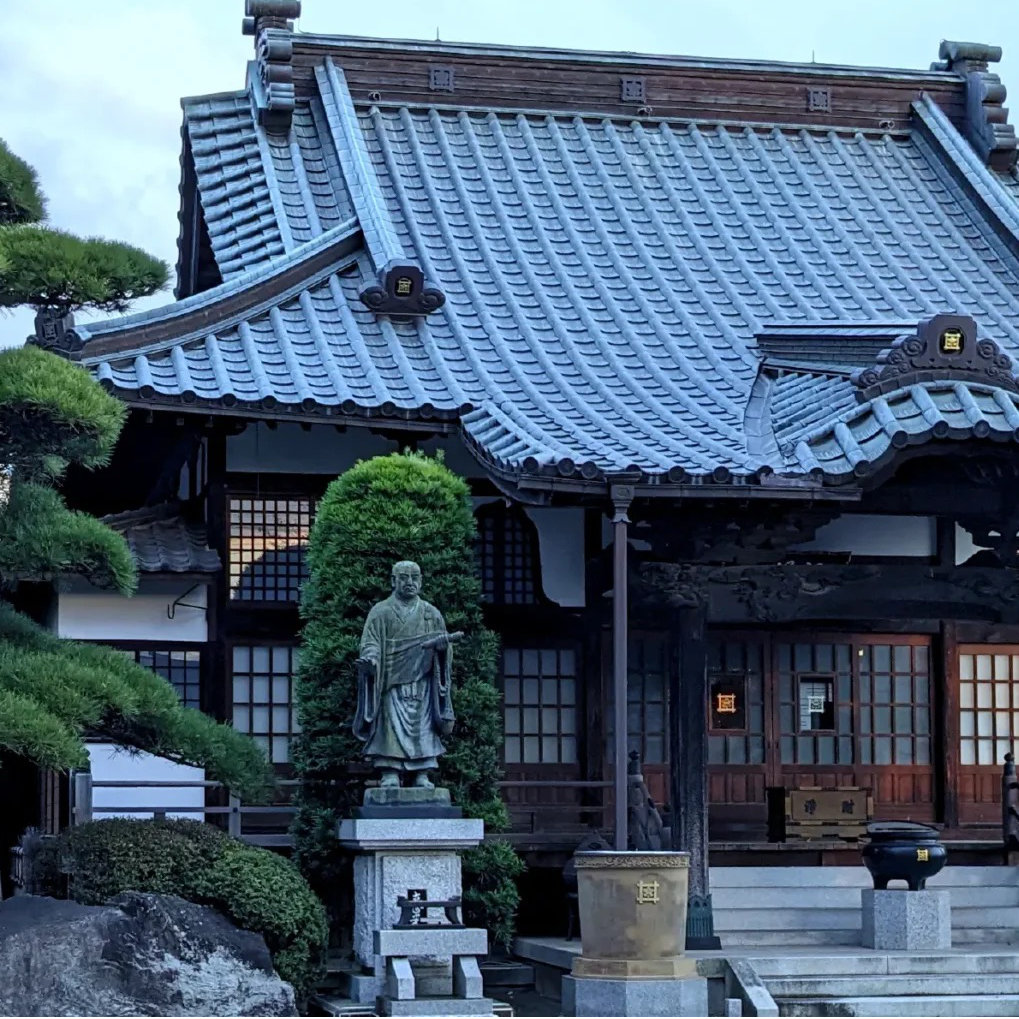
(84, 613)
(868, 534)
(561, 542)
(290, 449)
(110, 763)
(965, 546)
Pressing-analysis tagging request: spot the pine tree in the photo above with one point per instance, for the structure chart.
(52, 415)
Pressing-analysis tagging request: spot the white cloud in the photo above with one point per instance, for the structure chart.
(92, 90)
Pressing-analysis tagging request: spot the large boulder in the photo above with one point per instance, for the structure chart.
(140, 954)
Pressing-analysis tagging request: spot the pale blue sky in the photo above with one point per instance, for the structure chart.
(92, 87)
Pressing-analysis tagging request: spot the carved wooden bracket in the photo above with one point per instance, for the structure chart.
(784, 592)
(944, 347)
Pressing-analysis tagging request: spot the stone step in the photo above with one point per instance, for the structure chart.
(797, 918)
(853, 877)
(945, 1005)
(765, 938)
(987, 916)
(984, 936)
(970, 937)
(840, 897)
(768, 966)
(818, 918)
(898, 985)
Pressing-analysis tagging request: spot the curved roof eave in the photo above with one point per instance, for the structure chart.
(865, 442)
(176, 323)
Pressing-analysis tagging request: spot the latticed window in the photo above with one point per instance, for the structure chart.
(736, 702)
(540, 698)
(267, 545)
(509, 556)
(263, 701)
(182, 669)
(647, 695)
(815, 703)
(895, 711)
(988, 704)
(646, 701)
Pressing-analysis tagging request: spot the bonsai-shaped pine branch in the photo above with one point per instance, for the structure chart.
(53, 414)
(46, 268)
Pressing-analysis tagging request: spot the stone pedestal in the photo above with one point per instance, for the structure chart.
(596, 996)
(415, 857)
(905, 921)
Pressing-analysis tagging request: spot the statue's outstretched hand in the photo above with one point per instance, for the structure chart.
(366, 665)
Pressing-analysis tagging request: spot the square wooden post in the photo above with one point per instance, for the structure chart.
(688, 764)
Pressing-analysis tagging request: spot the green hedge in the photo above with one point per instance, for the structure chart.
(403, 506)
(255, 888)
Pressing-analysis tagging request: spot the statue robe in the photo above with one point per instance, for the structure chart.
(404, 705)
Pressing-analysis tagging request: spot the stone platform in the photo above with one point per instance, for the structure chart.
(414, 857)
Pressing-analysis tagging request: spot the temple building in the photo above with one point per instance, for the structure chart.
(727, 352)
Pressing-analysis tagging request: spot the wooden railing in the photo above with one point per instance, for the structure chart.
(543, 817)
(241, 818)
(538, 818)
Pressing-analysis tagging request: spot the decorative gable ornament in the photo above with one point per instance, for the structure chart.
(944, 347)
(402, 290)
(55, 331)
(269, 21)
(986, 123)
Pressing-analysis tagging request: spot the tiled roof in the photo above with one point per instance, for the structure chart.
(847, 439)
(232, 184)
(605, 281)
(161, 541)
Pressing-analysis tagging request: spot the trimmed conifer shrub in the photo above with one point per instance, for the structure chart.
(403, 506)
(252, 887)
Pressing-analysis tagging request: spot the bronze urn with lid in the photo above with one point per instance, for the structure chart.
(903, 851)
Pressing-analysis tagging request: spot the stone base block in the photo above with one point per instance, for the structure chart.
(394, 801)
(364, 988)
(406, 835)
(596, 996)
(437, 1006)
(896, 920)
(676, 967)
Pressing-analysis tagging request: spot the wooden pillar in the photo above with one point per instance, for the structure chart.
(946, 728)
(622, 496)
(688, 757)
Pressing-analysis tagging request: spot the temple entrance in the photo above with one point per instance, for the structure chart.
(787, 712)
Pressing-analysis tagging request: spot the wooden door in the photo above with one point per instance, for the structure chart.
(737, 737)
(818, 710)
(987, 723)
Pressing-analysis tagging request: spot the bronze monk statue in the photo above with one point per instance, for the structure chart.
(404, 702)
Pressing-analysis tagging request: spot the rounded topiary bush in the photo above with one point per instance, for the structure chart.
(402, 506)
(254, 888)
